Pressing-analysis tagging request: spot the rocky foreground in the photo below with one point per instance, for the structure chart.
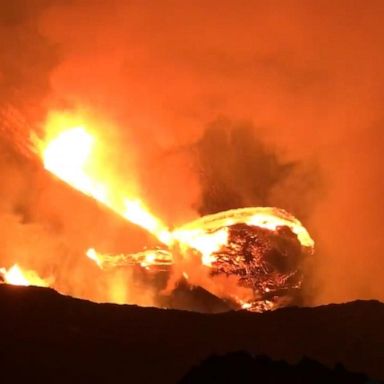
(48, 337)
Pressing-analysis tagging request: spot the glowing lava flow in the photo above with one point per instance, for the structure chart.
(207, 234)
(250, 256)
(16, 276)
(75, 155)
(264, 217)
(146, 259)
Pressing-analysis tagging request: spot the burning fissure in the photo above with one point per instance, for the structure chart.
(251, 258)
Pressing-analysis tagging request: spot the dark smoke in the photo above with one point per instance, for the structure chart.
(237, 169)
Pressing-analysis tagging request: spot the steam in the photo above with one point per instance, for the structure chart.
(177, 84)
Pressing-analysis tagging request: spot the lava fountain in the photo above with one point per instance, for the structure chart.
(17, 276)
(250, 257)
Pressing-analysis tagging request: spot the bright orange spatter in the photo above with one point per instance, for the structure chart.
(17, 276)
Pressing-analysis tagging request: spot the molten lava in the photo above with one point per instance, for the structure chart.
(262, 248)
(146, 259)
(76, 155)
(251, 257)
(16, 276)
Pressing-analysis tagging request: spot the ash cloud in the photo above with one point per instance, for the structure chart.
(307, 76)
(237, 169)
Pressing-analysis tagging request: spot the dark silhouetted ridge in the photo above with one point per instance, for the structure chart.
(53, 338)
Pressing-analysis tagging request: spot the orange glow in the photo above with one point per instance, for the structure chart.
(16, 276)
(76, 155)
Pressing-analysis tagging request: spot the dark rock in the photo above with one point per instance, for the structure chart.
(48, 337)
